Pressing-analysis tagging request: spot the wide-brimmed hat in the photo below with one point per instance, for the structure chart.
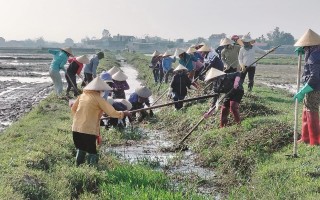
(110, 100)
(213, 73)
(68, 50)
(247, 38)
(143, 91)
(113, 70)
(201, 44)
(178, 52)
(119, 76)
(179, 68)
(83, 59)
(167, 53)
(106, 77)
(191, 50)
(124, 102)
(155, 53)
(225, 41)
(309, 38)
(204, 48)
(97, 84)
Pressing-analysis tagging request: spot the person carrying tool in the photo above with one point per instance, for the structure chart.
(90, 69)
(118, 105)
(309, 44)
(186, 60)
(231, 85)
(229, 56)
(106, 77)
(120, 85)
(87, 111)
(138, 100)
(74, 68)
(154, 65)
(60, 58)
(247, 57)
(167, 65)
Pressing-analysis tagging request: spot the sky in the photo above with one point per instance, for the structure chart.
(170, 19)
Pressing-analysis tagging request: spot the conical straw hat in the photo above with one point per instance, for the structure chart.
(191, 50)
(180, 67)
(225, 41)
(309, 38)
(106, 77)
(143, 91)
(83, 59)
(202, 44)
(113, 70)
(98, 85)
(167, 53)
(205, 48)
(124, 102)
(110, 100)
(178, 52)
(68, 50)
(119, 76)
(155, 53)
(213, 73)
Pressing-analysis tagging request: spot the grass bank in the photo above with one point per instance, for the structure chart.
(250, 159)
(38, 162)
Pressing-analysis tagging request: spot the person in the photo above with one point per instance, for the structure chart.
(87, 111)
(106, 77)
(119, 85)
(75, 68)
(220, 48)
(154, 65)
(113, 70)
(90, 70)
(179, 85)
(247, 57)
(161, 73)
(309, 44)
(60, 58)
(229, 56)
(199, 64)
(139, 99)
(231, 85)
(167, 65)
(119, 105)
(211, 58)
(186, 60)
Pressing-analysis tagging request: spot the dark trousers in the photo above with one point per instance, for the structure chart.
(156, 75)
(251, 71)
(72, 83)
(178, 105)
(166, 75)
(85, 142)
(161, 75)
(88, 77)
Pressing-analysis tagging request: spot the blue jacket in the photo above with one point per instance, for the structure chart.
(187, 61)
(167, 63)
(91, 68)
(311, 73)
(60, 58)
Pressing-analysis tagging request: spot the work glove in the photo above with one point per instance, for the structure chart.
(236, 82)
(208, 114)
(299, 51)
(151, 113)
(300, 95)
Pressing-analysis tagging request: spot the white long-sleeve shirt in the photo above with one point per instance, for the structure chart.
(247, 57)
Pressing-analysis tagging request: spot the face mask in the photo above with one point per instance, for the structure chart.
(101, 93)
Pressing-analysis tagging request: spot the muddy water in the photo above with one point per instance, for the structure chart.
(149, 148)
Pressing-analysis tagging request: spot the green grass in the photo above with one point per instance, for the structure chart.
(253, 160)
(279, 60)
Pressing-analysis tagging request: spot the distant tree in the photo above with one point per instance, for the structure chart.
(69, 42)
(217, 36)
(85, 40)
(40, 41)
(277, 37)
(2, 40)
(105, 34)
(262, 39)
(197, 40)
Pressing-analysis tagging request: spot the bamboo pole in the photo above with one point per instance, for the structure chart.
(295, 134)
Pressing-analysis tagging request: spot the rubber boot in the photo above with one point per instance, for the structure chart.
(224, 116)
(80, 157)
(304, 129)
(234, 109)
(93, 159)
(313, 127)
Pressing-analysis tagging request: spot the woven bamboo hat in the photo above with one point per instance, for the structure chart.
(113, 70)
(167, 53)
(106, 77)
(124, 102)
(204, 48)
(83, 59)
(110, 100)
(225, 41)
(97, 84)
(178, 52)
(119, 76)
(68, 50)
(179, 68)
(213, 73)
(191, 50)
(309, 38)
(143, 91)
(155, 53)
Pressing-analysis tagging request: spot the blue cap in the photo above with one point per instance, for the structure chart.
(105, 76)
